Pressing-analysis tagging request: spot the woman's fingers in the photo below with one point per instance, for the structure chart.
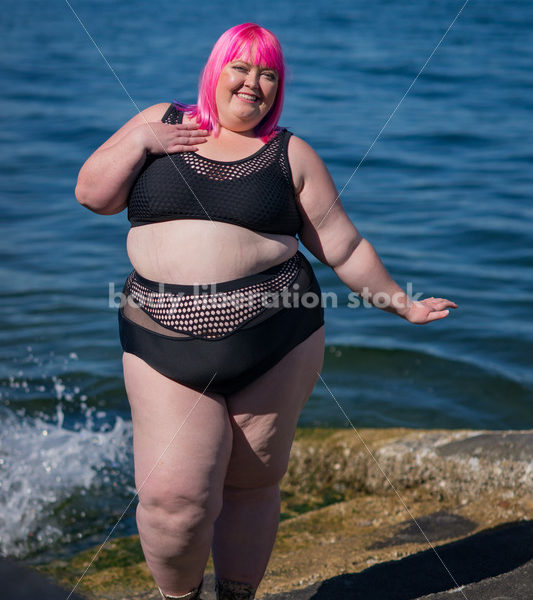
(187, 141)
(442, 302)
(439, 308)
(437, 314)
(187, 148)
(430, 309)
(190, 137)
(190, 129)
(187, 126)
(180, 144)
(161, 138)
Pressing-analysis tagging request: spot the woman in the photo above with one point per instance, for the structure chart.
(221, 324)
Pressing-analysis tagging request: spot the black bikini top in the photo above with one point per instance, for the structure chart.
(256, 192)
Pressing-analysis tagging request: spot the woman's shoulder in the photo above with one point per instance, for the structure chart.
(148, 115)
(156, 111)
(300, 153)
(298, 143)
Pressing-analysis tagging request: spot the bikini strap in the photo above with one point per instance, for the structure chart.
(172, 115)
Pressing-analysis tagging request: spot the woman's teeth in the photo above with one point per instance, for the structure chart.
(249, 97)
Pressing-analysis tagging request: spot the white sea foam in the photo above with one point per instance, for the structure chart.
(42, 464)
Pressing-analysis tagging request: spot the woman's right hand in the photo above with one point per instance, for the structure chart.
(163, 138)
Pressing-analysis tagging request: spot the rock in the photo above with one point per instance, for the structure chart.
(496, 564)
(434, 527)
(353, 505)
(458, 465)
(516, 446)
(21, 583)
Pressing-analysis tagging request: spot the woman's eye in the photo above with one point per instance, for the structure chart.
(269, 75)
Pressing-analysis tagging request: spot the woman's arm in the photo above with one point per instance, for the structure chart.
(105, 179)
(330, 235)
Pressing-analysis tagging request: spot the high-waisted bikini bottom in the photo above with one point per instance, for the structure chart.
(235, 330)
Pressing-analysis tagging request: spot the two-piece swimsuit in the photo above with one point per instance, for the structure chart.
(235, 330)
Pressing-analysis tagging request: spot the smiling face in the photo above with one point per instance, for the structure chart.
(244, 94)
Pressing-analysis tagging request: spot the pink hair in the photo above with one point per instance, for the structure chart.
(251, 43)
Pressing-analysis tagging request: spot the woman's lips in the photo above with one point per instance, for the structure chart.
(245, 97)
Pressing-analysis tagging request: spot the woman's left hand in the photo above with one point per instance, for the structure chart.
(429, 309)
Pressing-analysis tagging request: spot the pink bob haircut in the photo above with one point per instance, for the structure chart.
(248, 42)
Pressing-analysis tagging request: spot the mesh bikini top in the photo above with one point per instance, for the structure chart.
(256, 192)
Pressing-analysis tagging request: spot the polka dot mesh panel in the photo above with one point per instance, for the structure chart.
(218, 171)
(210, 315)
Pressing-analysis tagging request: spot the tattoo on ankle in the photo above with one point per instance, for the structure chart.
(234, 590)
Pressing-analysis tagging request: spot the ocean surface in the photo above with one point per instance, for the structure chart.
(439, 180)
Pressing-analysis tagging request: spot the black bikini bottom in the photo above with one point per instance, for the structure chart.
(235, 330)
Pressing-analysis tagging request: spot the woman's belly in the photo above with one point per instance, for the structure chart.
(190, 251)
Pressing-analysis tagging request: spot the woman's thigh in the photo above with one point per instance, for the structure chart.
(181, 438)
(264, 415)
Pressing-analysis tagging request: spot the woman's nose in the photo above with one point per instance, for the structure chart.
(252, 79)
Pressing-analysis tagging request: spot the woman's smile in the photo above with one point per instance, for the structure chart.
(249, 98)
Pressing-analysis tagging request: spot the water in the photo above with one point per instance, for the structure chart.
(443, 195)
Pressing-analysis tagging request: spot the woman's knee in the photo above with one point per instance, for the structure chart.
(176, 508)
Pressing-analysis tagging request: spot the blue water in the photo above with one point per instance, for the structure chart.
(444, 195)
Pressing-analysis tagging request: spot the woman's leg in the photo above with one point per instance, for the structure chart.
(182, 443)
(263, 416)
